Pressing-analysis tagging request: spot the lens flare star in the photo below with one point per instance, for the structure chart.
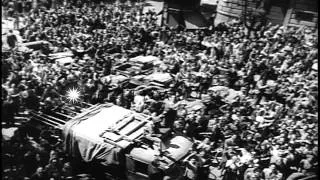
(73, 95)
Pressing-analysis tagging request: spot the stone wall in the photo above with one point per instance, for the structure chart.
(302, 13)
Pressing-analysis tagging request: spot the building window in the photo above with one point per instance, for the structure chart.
(304, 16)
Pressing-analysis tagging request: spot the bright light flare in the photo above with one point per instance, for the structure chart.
(73, 95)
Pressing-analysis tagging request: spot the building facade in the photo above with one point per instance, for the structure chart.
(282, 12)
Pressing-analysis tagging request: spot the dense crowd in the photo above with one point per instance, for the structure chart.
(268, 132)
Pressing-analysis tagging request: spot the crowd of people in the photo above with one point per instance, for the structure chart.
(268, 132)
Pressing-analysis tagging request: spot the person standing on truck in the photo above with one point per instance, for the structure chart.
(154, 171)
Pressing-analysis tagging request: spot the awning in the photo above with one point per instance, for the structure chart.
(173, 20)
(208, 2)
(194, 20)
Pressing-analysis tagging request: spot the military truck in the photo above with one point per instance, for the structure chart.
(121, 138)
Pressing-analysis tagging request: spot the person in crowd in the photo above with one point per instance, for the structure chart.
(272, 173)
(191, 169)
(11, 39)
(253, 173)
(66, 171)
(39, 174)
(52, 169)
(154, 170)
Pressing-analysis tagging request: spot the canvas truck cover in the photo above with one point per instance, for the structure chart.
(98, 133)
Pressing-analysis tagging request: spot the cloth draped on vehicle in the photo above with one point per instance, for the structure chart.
(85, 134)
